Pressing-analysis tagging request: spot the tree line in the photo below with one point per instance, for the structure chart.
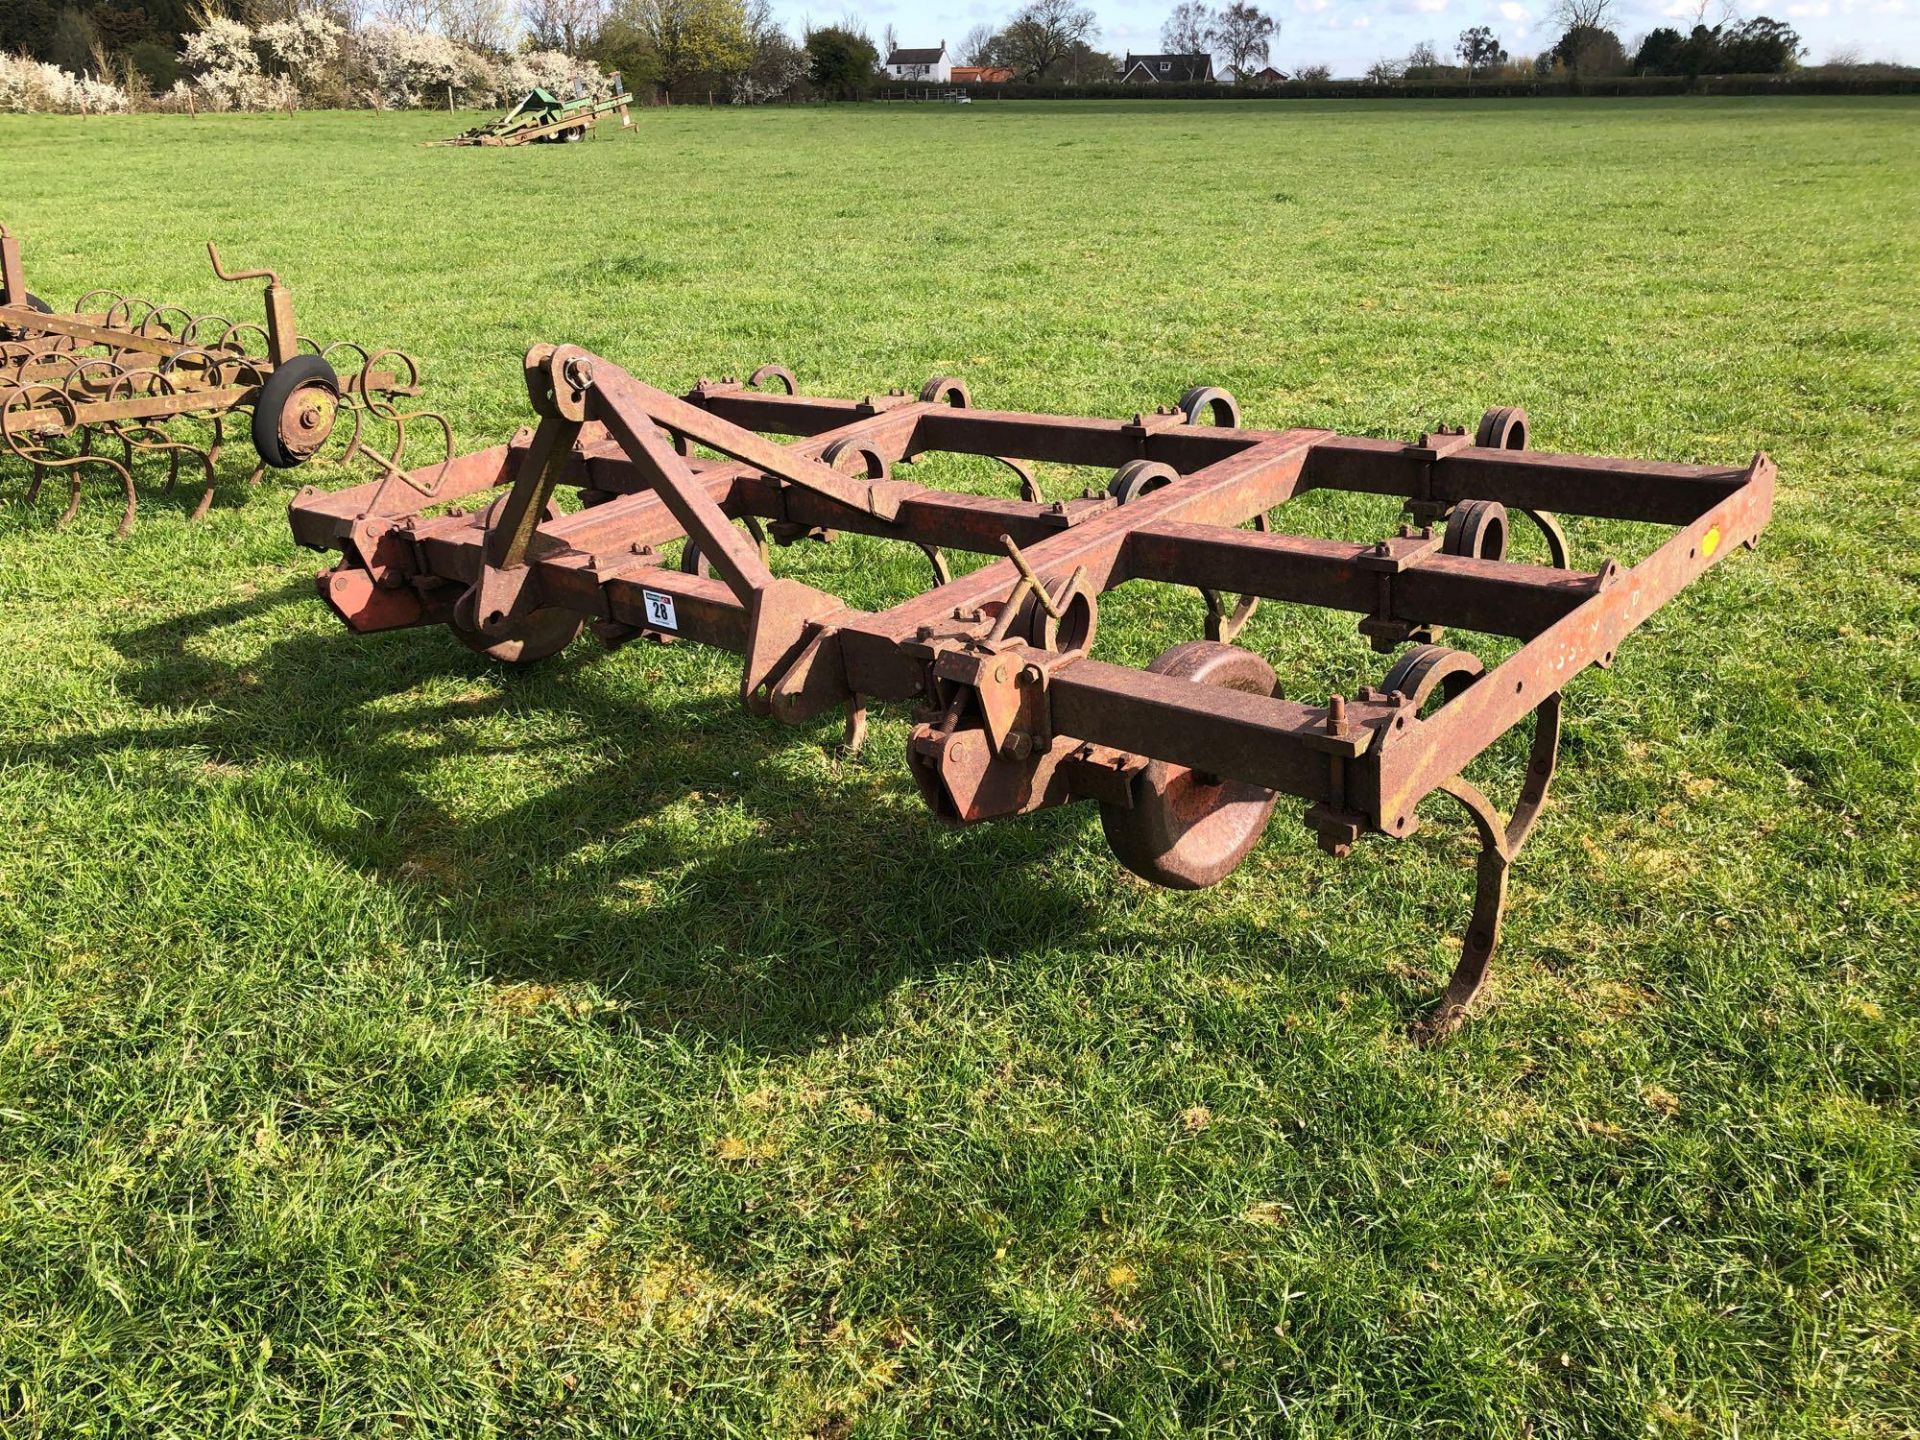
(249, 53)
(1589, 47)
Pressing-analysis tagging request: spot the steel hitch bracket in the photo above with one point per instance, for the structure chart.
(1187, 758)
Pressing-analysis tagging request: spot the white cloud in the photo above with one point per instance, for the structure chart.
(1510, 11)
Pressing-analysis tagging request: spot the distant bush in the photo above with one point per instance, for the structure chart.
(29, 85)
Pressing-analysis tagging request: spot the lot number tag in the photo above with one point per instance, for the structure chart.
(659, 610)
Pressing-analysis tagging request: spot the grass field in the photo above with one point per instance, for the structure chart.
(397, 1045)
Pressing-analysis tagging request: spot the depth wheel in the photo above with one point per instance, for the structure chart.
(535, 636)
(1186, 830)
(294, 412)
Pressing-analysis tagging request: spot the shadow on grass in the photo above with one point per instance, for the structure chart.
(702, 867)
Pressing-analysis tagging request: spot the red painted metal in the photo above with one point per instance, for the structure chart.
(1186, 758)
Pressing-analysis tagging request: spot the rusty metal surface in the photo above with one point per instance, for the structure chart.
(1186, 759)
(118, 381)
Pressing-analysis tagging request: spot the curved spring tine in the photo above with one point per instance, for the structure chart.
(352, 451)
(1029, 487)
(191, 335)
(112, 297)
(157, 322)
(230, 337)
(1499, 844)
(936, 557)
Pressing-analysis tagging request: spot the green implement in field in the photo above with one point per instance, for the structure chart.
(543, 117)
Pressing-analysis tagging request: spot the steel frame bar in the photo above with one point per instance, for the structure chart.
(1015, 714)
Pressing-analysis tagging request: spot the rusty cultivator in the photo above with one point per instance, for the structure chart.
(134, 375)
(1186, 758)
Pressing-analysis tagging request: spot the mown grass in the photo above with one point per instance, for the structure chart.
(397, 1045)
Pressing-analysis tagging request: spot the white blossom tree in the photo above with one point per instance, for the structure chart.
(224, 65)
(303, 45)
(401, 68)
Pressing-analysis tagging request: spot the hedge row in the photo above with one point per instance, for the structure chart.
(1616, 85)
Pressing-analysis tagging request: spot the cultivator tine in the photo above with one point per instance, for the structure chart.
(1186, 759)
(130, 369)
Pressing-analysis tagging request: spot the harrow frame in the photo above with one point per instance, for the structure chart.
(543, 118)
(1186, 758)
(122, 369)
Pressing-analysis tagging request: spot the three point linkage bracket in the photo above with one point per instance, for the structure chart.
(1186, 758)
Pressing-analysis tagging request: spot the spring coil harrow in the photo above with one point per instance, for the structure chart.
(121, 380)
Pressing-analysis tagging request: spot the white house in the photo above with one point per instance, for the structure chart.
(933, 65)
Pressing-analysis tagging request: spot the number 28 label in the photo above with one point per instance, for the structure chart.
(659, 610)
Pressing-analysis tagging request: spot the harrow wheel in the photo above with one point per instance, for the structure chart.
(294, 413)
(1185, 829)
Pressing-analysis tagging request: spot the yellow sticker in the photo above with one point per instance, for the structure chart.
(1709, 543)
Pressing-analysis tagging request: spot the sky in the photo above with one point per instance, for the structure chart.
(1349, 34)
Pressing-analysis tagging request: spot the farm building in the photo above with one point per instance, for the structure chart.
(935, 64)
